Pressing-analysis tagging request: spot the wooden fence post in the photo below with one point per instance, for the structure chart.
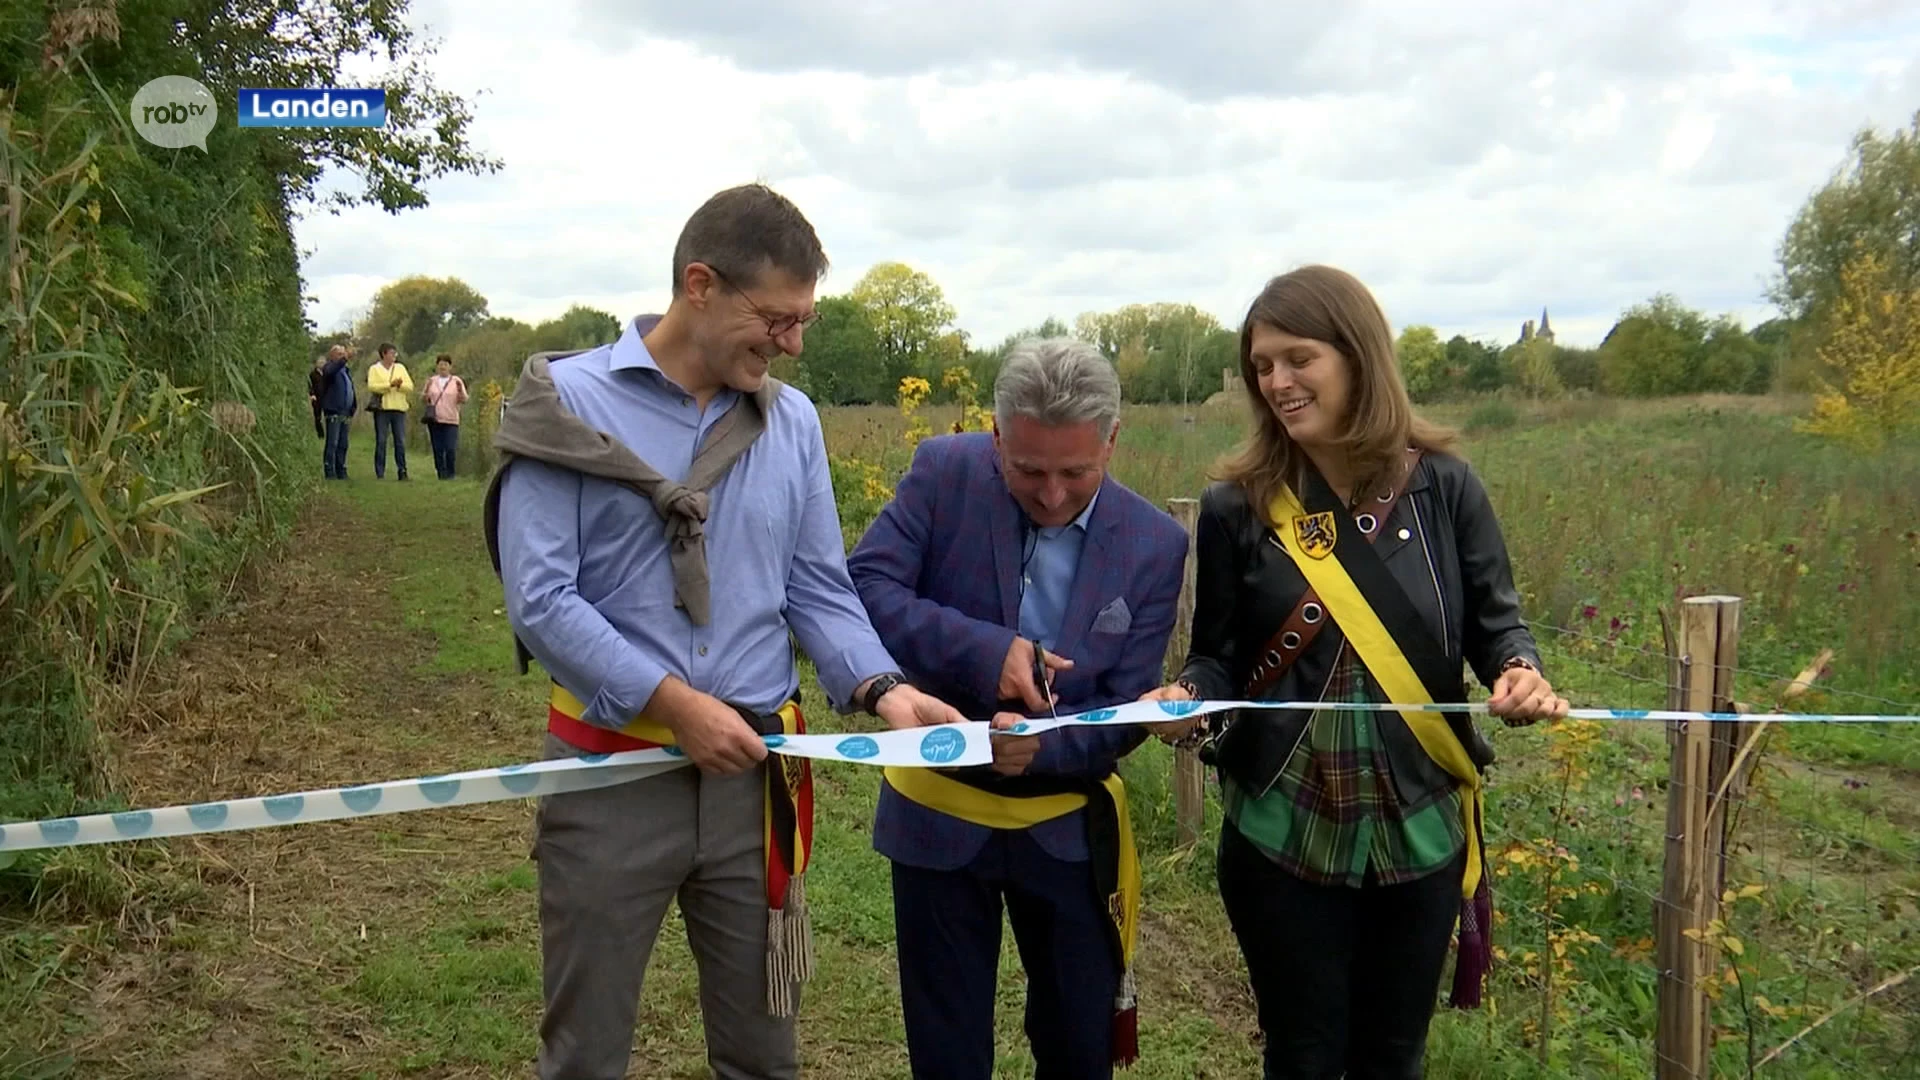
(1699, 787)
(1189, 777)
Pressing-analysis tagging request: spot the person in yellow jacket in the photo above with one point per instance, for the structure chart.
(388, 385)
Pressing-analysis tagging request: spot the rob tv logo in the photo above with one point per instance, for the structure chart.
(322, 107)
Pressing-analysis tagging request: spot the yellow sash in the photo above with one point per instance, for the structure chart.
(931, 789)
(1388, 665)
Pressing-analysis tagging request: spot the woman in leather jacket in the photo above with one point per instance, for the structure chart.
(1346, 847)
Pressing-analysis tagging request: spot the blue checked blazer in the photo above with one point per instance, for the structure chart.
(938, 572)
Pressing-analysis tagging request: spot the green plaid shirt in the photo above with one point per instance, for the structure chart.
(1333, 811)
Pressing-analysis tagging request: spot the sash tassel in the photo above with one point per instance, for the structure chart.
(787, 840)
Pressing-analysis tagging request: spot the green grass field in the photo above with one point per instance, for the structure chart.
(374, 647)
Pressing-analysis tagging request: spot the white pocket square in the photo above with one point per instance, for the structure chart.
(1115, 618)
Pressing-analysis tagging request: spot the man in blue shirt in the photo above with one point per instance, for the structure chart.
(596, 591)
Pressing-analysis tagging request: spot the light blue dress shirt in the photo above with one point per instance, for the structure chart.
(1047, 581)
(589, 587)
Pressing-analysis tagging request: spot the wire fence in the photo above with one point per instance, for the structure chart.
(1809, 957)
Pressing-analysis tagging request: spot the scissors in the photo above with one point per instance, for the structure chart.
(1043, 676)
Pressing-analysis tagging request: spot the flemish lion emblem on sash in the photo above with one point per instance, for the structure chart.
(1314, 532)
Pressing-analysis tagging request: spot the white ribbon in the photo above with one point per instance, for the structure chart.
(947, 745)
(1159, 712)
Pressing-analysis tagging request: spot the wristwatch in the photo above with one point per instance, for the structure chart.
(870, 701)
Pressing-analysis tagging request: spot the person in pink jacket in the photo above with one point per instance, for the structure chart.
(444, 395)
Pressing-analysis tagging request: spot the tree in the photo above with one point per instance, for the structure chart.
(1531, 364)
(413, 311)
(1873, 350)
(1654, 350)
(1479, 364)
(1871, 204)
(1579, 369)
(842, 363)
(496, 349)
(1180, 346)
(315, 43)
(1423, 361)
(1731, 361)
(1131, 367)
(1187, 336)
(907, 311)
(1775, 336)
(579, 327)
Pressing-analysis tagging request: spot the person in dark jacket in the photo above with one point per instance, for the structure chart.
(317, 385)
(1347, 556)
(337, 405)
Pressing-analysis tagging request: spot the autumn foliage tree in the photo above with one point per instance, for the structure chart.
(1872, 352)
(1423, 361)
(1871, 203)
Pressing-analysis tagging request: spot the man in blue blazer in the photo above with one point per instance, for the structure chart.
(1008, 566)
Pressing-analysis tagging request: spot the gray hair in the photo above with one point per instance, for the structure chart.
(1057, 381)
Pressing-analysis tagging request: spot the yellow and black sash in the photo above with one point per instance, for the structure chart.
(1019, 802)
(1375, 615)
(787, 823)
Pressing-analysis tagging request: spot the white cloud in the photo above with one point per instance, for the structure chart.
(1472, 163)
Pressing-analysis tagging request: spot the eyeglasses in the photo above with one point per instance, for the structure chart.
(776, 324)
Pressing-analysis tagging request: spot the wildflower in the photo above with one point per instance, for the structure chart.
(1589, 611)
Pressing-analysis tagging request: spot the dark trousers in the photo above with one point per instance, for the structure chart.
(947, 926)
(333, 452)
(389, 422)
(446, 443)
(1345, 979)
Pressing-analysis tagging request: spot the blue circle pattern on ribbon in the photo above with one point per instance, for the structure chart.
(60, 831)
(361, 799)
(594, 759)
(439, 791)
(208, 815)
(1629, 714)
(1019, 727)
(284, 807)
(1179, 708)
(133, 823)
(1099, 716)
(776, 741)
(518, 782)
(857, 747)
(942, 745)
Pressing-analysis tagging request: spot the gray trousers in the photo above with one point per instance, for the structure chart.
(610, 861)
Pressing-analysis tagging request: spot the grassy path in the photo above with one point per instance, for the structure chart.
(373, 648)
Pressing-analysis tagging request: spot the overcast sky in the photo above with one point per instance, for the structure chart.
(1472, 162)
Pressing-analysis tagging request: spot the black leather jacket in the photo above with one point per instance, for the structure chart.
(1444, 547)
